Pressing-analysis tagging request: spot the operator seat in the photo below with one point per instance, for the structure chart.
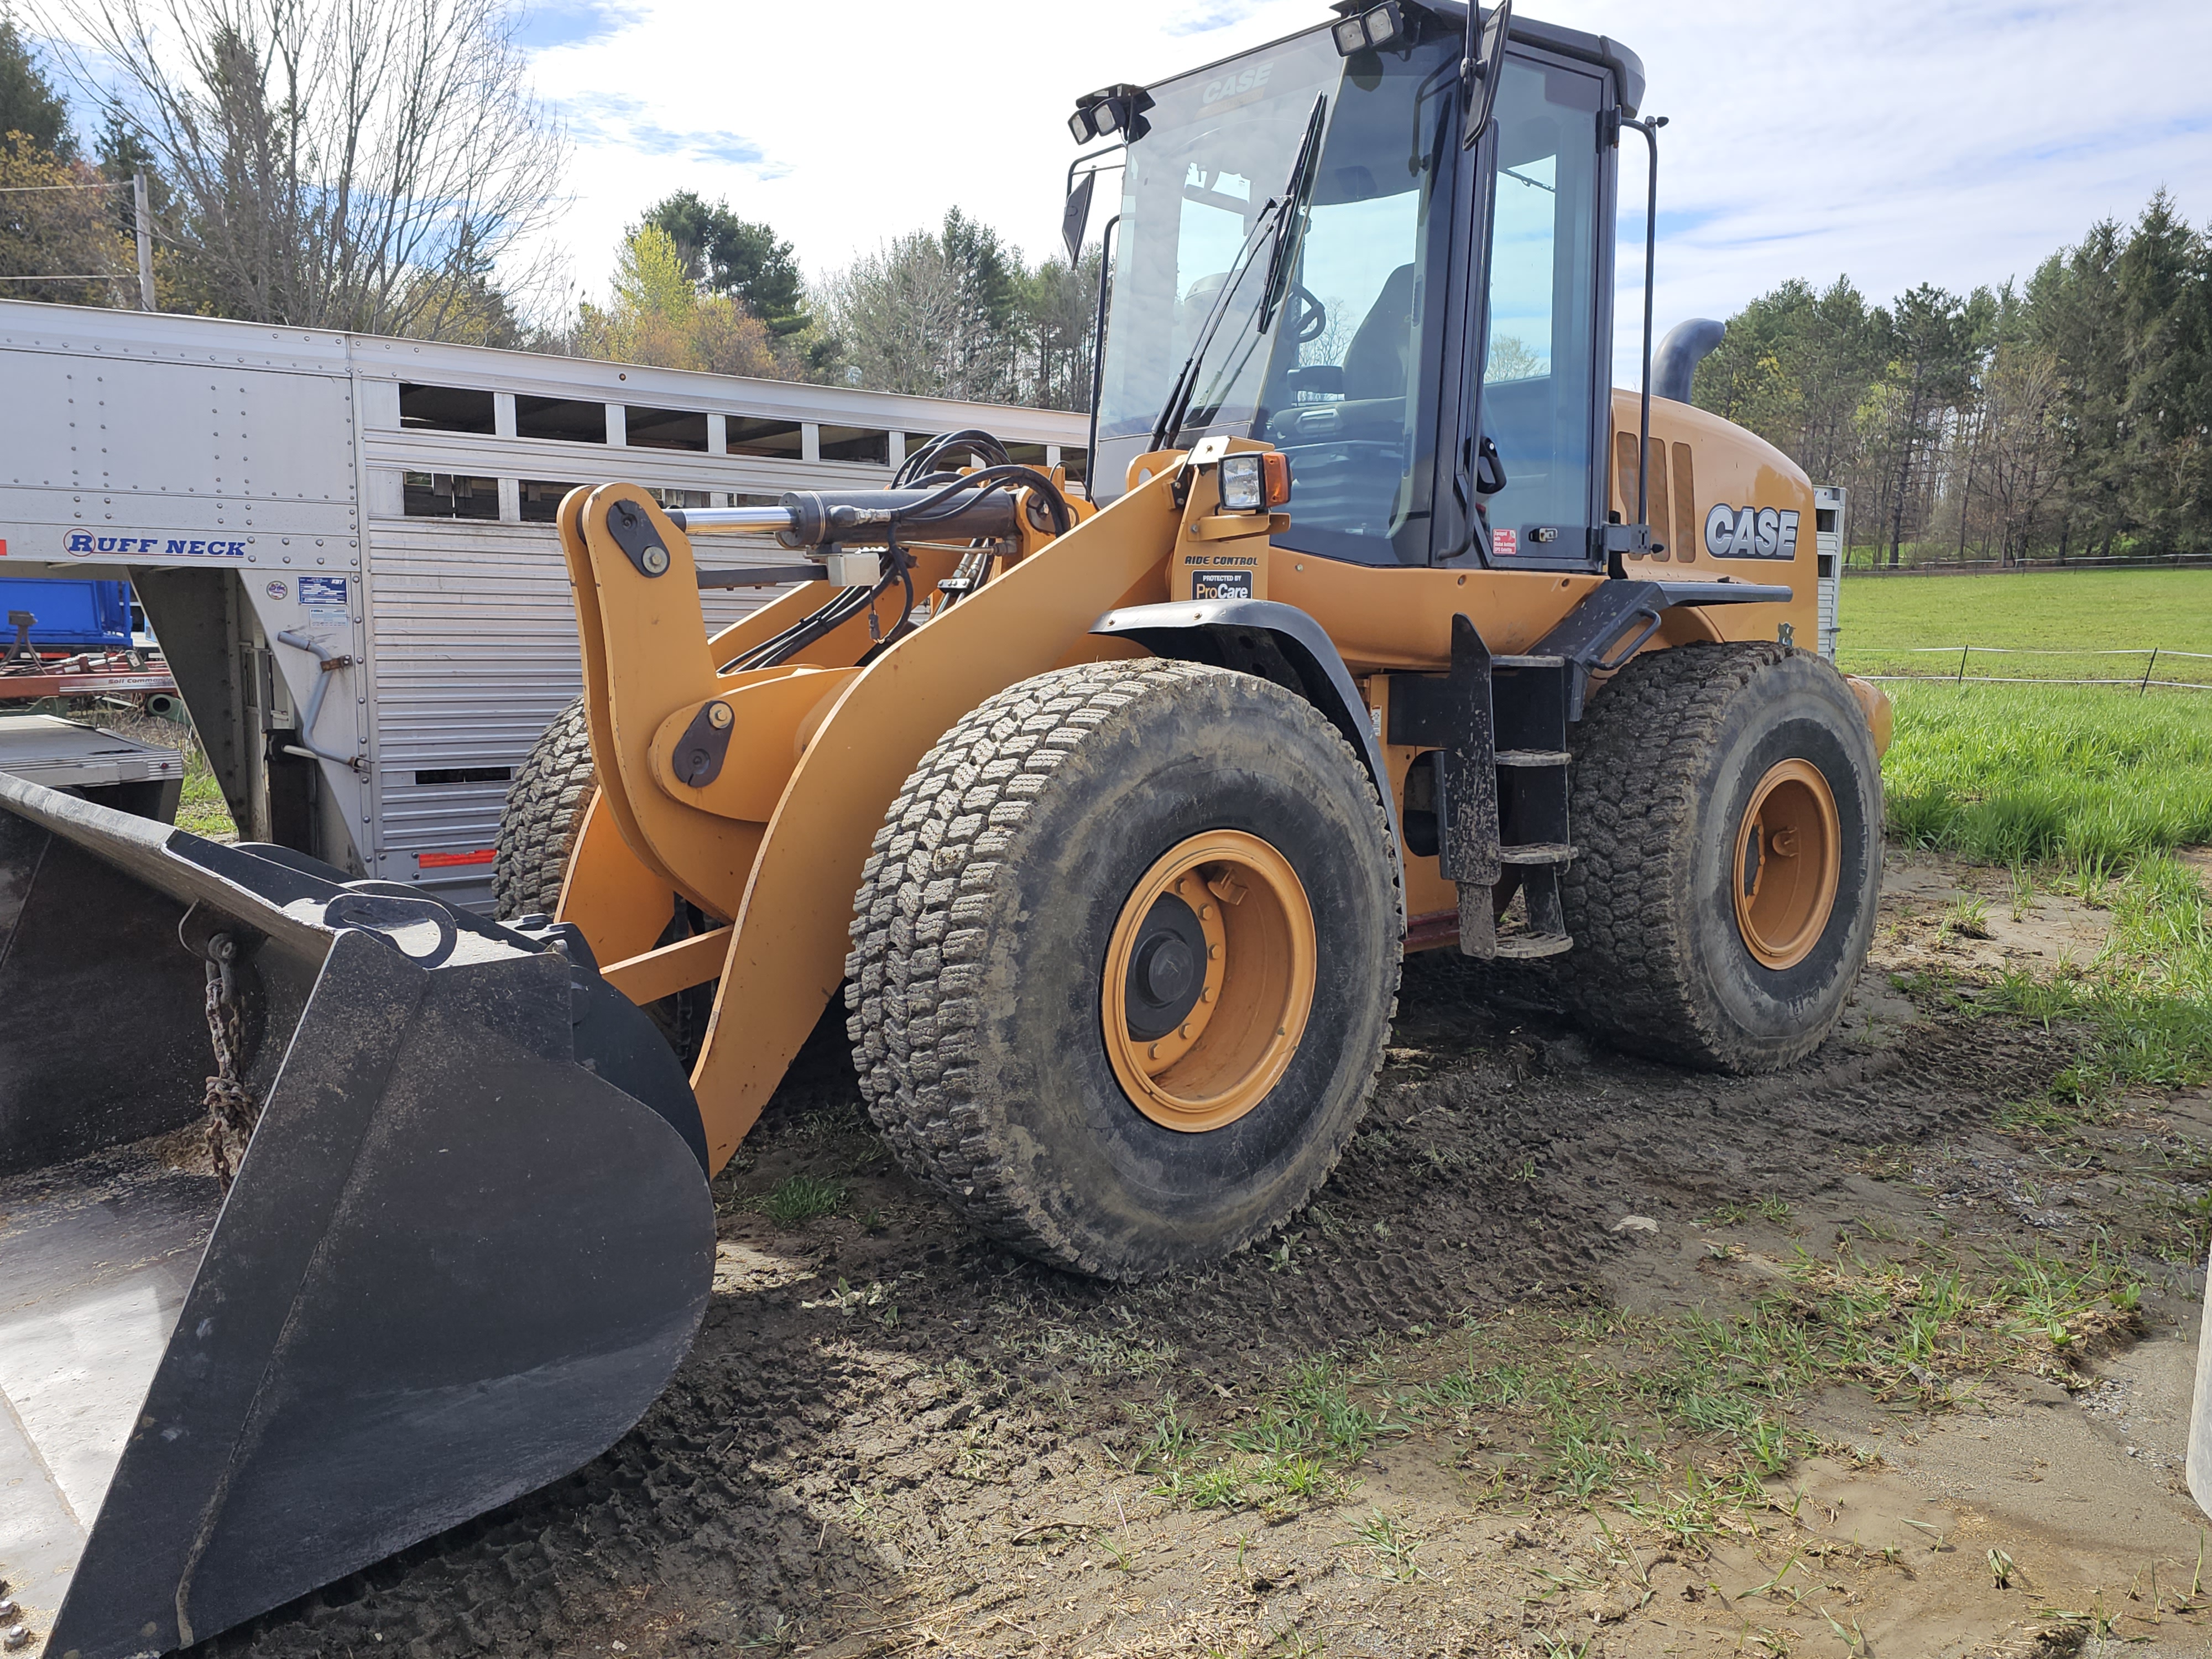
(1378, 362)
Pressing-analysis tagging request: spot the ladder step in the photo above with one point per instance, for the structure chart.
(1529, 662)
(1525, 946)
(1533, 757)
(1554, 852)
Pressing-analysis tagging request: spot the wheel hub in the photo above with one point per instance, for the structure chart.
(1209, 979)
(1164, 975)
(1789, 859)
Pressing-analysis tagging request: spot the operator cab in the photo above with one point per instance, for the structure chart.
(1350, 361)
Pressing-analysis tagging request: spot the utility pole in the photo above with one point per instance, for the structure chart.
(145, 241)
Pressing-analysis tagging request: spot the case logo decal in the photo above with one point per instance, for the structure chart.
(1751, 533)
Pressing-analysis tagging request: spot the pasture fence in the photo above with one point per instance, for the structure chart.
(2150, 656)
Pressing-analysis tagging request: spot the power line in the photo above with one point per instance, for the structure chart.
(28, 190)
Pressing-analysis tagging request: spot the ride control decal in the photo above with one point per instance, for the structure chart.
(1221, 584)
(1751, 533)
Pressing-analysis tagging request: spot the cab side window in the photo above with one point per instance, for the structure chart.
(1540, 371)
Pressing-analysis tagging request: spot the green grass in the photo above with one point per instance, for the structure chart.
(2147, 1000)
(1675, 1419)
(2022, 774)
(797, 1200)
(1884, 619)
(201, 808)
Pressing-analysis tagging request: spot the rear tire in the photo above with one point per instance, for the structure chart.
(1688, 764)
(1019, 858)
(543, 816)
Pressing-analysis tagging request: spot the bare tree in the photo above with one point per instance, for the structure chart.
(2027, 445)
(354, 164)
(899, 316)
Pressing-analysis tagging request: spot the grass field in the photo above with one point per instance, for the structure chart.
(2088, 787)
(1895, 625)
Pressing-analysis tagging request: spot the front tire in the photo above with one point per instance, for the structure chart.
(1125, 956)
(1726, 808)
(541, 817)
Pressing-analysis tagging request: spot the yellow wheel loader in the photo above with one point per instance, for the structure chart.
(1108, 815)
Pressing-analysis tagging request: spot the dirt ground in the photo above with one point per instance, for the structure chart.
(895, 1438)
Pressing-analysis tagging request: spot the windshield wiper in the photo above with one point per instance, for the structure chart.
(1169, 427)
(1294, 194)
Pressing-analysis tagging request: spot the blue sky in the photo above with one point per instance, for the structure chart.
(1954, 143)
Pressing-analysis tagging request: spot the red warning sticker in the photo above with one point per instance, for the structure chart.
(447, 860)
(1503, 543)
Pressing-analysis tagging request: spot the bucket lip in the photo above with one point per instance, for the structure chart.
(298, 903)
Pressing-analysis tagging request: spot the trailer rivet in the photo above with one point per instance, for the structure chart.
(655, 560)
(718, 715)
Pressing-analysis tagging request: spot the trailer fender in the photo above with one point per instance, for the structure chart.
(1278, 642)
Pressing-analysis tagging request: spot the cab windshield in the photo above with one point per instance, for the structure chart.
(1329, 365)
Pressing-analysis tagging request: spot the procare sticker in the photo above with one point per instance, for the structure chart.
(324, 600)
(1221, 584)
(1503, 543)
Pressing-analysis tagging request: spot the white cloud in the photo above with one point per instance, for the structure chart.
(1957, 144)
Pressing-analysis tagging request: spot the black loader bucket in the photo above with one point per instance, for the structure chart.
(469, 1239)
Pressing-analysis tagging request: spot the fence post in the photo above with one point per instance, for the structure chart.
(2143, 690)
(1962, 663)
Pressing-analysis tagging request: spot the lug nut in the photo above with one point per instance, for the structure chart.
(17, 1636)
(9, 1610)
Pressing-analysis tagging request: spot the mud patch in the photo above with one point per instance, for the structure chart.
(894, 1437)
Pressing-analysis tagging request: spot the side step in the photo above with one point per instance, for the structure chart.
(1496, 790)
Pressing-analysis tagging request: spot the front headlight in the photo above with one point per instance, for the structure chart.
(1242, 488)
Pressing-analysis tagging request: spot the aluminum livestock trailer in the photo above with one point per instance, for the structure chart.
(286, 498)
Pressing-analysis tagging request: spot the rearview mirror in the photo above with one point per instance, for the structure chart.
(1483, 66)
(1075, 216)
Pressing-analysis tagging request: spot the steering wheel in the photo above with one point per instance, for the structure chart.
(1313, 315)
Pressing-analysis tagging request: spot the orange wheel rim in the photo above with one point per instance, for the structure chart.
(1209, 980)
(1789, 857)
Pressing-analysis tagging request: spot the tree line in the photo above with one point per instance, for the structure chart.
(2066, 417)
(378, 165)
(956, 311)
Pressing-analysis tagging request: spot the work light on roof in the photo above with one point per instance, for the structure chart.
(1378, 27)
(1115, 109)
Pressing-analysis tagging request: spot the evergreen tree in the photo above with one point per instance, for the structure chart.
(723, 254)
(28, 101)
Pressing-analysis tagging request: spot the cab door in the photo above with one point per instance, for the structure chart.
(1539, 317)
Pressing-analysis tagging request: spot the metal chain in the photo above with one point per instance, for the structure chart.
(231, 1112)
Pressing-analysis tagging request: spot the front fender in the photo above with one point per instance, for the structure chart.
(1278, 642)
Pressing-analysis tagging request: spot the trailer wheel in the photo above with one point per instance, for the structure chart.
(541, 817)
(1127, 953)
(1727, 814)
